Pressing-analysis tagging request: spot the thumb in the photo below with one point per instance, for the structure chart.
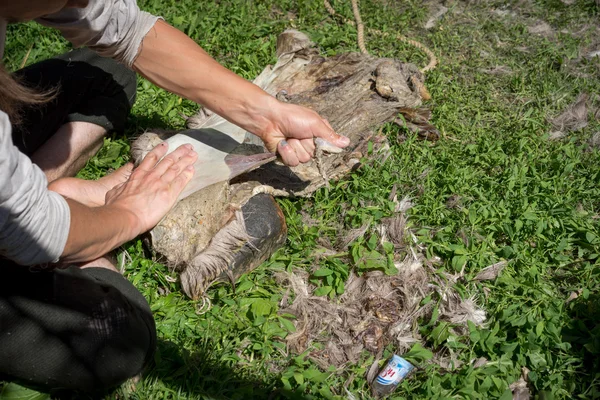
(332, 137)
(272, 144)
(112, 193)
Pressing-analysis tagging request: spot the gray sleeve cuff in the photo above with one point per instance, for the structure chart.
(127, 51)
(59, 218)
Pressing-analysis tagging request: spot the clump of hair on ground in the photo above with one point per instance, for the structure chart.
(376, 309)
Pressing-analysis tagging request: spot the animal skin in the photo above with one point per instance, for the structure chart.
(228, 228)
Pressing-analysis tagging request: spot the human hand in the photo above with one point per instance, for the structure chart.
(153, 187)
(293, 132)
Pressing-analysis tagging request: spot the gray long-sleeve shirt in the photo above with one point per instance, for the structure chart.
(34, 222)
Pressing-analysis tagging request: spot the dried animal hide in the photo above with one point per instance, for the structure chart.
(356, 93)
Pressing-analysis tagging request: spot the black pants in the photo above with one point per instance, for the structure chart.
(73, 329)
(90, 88)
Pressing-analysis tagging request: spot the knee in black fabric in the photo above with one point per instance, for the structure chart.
(120, 343)
(86, 330)
(112, 93)
(123, 323)
(89, 88)
(125, 78)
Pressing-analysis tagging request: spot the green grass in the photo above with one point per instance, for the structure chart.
(521, 198)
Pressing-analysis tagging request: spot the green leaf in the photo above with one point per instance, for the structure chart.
(372, 242)
(473, 217)
(507, 395)
(299, 378)
(508, 348)
(326, 392)
(261, 307)
(425, 301)
(323, 272)
(539, 328)
(286, 383)
(178, 20)
(590, 237)
(287, 324)
(458, 249)
(243, 286)
(537, 359)
(418, 354)
(518, 225)
(435, 313)
(340, 287)
(322, 291)
(563, 244)
(12, 391)
(314, 375)
(388, 247)
(585, 293)
(458, 262)
(474, 334)
(329, 280)
(109, 154)
(546, 395)
(372, 260)
(440, 333)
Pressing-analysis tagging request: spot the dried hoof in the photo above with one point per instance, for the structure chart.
(257, 231)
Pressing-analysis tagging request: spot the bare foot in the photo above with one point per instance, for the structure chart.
(91, 193)
(107, 261)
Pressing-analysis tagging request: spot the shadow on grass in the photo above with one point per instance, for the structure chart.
(583, 333)
(198, 375)
(138, 124)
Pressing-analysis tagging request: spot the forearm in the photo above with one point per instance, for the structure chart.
(191, 73)
(94, 231)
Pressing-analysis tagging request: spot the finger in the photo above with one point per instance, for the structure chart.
(183, 163)
(152, 158)
(182, 179)
(287, 153)
(171, 159)
(113, 192)
(329, 134)
(302, 155)
(309, 146)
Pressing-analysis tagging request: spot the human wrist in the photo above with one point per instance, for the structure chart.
(94, 231)
(128, 222)
(264, 115)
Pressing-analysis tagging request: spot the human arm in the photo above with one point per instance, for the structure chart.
(39, 226)
(175, 62)
(170, 59)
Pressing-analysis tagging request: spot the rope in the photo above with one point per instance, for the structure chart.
(433, 61)
(360, 27)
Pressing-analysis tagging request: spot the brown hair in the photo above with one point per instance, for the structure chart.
(14, 95)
